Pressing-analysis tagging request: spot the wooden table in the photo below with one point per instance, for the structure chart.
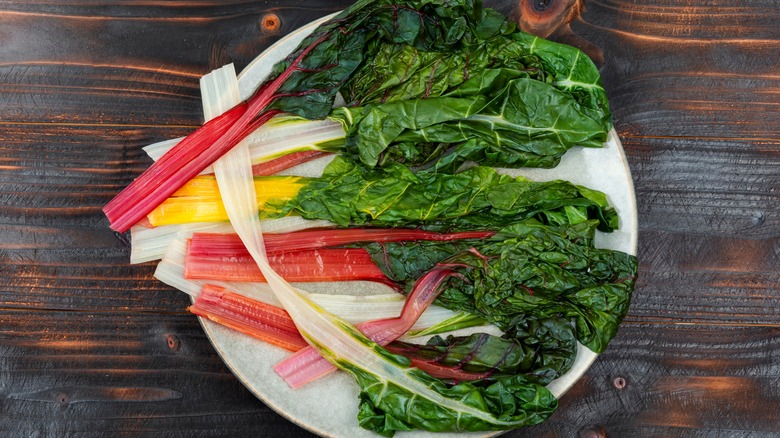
(92, 346)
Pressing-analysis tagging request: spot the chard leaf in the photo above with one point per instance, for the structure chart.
(526, 123)
(394, 396)
(573, 72)
(525, 269)
(337, 50)
(542, 350)
(509, 402)
(541, 273)
(474, 114)
(477, 198)
(401, 72)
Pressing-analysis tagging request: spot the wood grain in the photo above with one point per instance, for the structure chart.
(94, 373)
(135, 62)
(697, 68)
(735, 197)
(91, 346)
(677, 381)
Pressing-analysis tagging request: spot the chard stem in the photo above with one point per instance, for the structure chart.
(196, 152)
(307, 365)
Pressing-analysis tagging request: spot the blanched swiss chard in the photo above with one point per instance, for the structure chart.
(508, 403)
(498, 100)
(528, 269)
(404, 72)
(337, 56)
(343, 43)
(527, 123)
(306, 84)
(393, 395)
(477, 198)
(525, 269)
(488, 94)
(542, 350)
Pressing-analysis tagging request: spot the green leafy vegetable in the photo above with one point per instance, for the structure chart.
(542, 350)
(471, 87)
(572, 71)
(404, 398)
(393, 396)
(477, 198)
(306, 84)
(500, 97)
(527, 123)
(526, 269)
(343, 44)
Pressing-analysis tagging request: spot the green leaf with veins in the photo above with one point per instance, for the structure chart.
(440, 109)
(477, 198)
(526, 123)
(542, 350)
(526, 270)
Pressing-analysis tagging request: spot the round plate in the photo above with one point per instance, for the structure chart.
(328, 407)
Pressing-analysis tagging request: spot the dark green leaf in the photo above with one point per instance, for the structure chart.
(477, 198)
(541, 349)
(527, 269)
(509, 402)
(339, 48)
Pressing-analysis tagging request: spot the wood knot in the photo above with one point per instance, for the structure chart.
(62, 398)
(593, 433)
(545, 17)
(173, 342)
(270, 24)
(541, 5)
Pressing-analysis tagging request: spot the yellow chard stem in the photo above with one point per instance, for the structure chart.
(199, 200)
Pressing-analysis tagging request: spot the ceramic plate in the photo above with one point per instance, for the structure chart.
(329, 407)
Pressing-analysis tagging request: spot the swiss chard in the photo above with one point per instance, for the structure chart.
(386, 407)
(529, 269)
(542, 350)
(305, 83)
(429, 108)
(478, 198)
(525, 269)
(475, 90)
(493, 101)
(314, 265)
(452, 41)
(385, 379)
(526, 123)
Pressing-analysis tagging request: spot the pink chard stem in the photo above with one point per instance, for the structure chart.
(197, 151)
(254, 318)
(307, 365)
(230, 244)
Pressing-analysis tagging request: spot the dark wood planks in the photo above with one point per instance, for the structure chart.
(93, 371)
(698, 68)
(56, 251)
(94, 347)
(128, 62)
(96, 373)
(724, 189)
(675, 381)
(709, 229)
